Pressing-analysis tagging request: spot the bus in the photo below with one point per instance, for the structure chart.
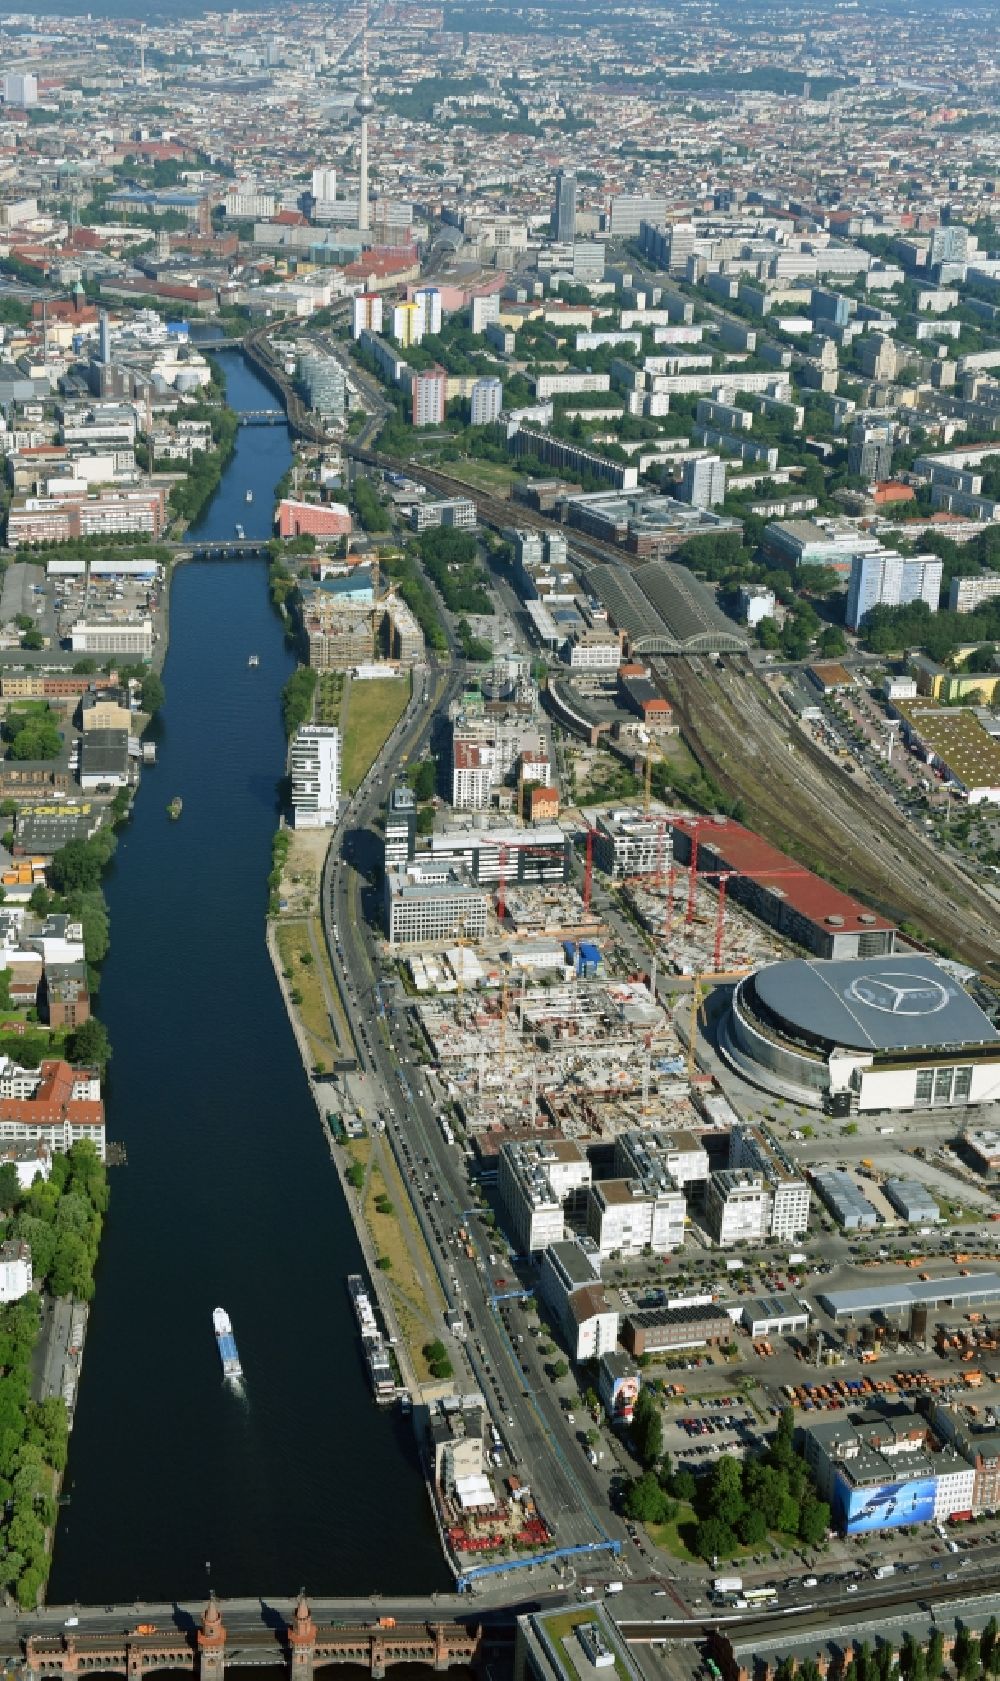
(760, 1596)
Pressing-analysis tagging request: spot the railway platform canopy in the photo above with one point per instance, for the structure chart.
(665, 609)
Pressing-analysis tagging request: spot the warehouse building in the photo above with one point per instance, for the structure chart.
(957, 1292)
(780, 891)
(775, 1316)
(896, 1033)
(912, 1201)
(845, 1201)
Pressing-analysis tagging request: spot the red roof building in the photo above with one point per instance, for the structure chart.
(52, 1115)
(782, 892)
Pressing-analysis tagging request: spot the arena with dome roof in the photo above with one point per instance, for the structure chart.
(896, 1033)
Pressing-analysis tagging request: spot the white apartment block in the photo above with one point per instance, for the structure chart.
(966, 594)
(315, 766)
(536, 1180)
(738, 1208)
(366, 308)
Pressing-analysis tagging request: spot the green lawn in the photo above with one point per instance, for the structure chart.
(483, 475)
(373, 708)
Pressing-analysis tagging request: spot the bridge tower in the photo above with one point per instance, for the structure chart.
(302, 1642)
(212, 1643)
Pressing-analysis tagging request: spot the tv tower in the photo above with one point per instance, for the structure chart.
(364, 105)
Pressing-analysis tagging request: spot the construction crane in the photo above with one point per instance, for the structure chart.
(588, 870)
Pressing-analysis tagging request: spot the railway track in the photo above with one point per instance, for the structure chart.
(796, 797)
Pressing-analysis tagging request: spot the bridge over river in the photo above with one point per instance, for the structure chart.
(171, 1637)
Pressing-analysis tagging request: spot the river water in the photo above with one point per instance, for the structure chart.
(229, 1196)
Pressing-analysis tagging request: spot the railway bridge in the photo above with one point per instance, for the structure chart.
(208, 1648)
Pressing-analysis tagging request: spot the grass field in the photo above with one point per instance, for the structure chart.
(402, 1277)
(482, 475)
(373, 709)
(293, 945)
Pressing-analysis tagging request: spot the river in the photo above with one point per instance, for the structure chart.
(229, 1196)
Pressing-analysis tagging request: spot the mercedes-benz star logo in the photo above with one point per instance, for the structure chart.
(899, 994)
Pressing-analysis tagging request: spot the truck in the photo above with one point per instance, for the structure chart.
(728, 1584)
(797, 1259)
(883, 1570)
(614, 1587)
(734, 1266)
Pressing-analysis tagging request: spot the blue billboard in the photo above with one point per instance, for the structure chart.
(888, 1506)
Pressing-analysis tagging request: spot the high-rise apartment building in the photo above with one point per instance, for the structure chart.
(366, 313)
(486, 401)
(428, 302)
(484, 309)
(564, 209)
(428, 392)
(703, 483)
(20, 89)
(315, 762)
(888, 579)
(407, 324)
(870, 451)
(324, 185)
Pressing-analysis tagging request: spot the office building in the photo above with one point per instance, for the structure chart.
(400, 828)
(631, 1216)
(703, 482)
(630, 842)
(630, 210)
(104, 337)
(888, 579)
(117, 636)
(425, 905)
(540, 1181)
(588, 260)
(750, 1148)
(315, 766)
(738, 1207)
(564, 209)
(486, 401)
(870, 453)
(457, 511)
(517, 855)
(324, 385)
(366, 313)
(675, 1158)
(886, 1471)
(428, 393)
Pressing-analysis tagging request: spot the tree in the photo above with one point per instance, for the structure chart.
(683, 1485)
(72, 1268)
(751, 1527)
(76, 867)
(10, 1190)
(814, 1521)
(989, 1647)
(714, 1539)
(560, 1369)
(425, 820)
(422, 778)
(647, 1428)
(935, 1654)
(153, 692)
(725, 1494)
(965, 1654)
(645, 1502)
(90, 1044)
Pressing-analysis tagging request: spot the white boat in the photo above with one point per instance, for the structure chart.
(240, 533)
(232, 1370)
(249, 495)
(254, 661)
